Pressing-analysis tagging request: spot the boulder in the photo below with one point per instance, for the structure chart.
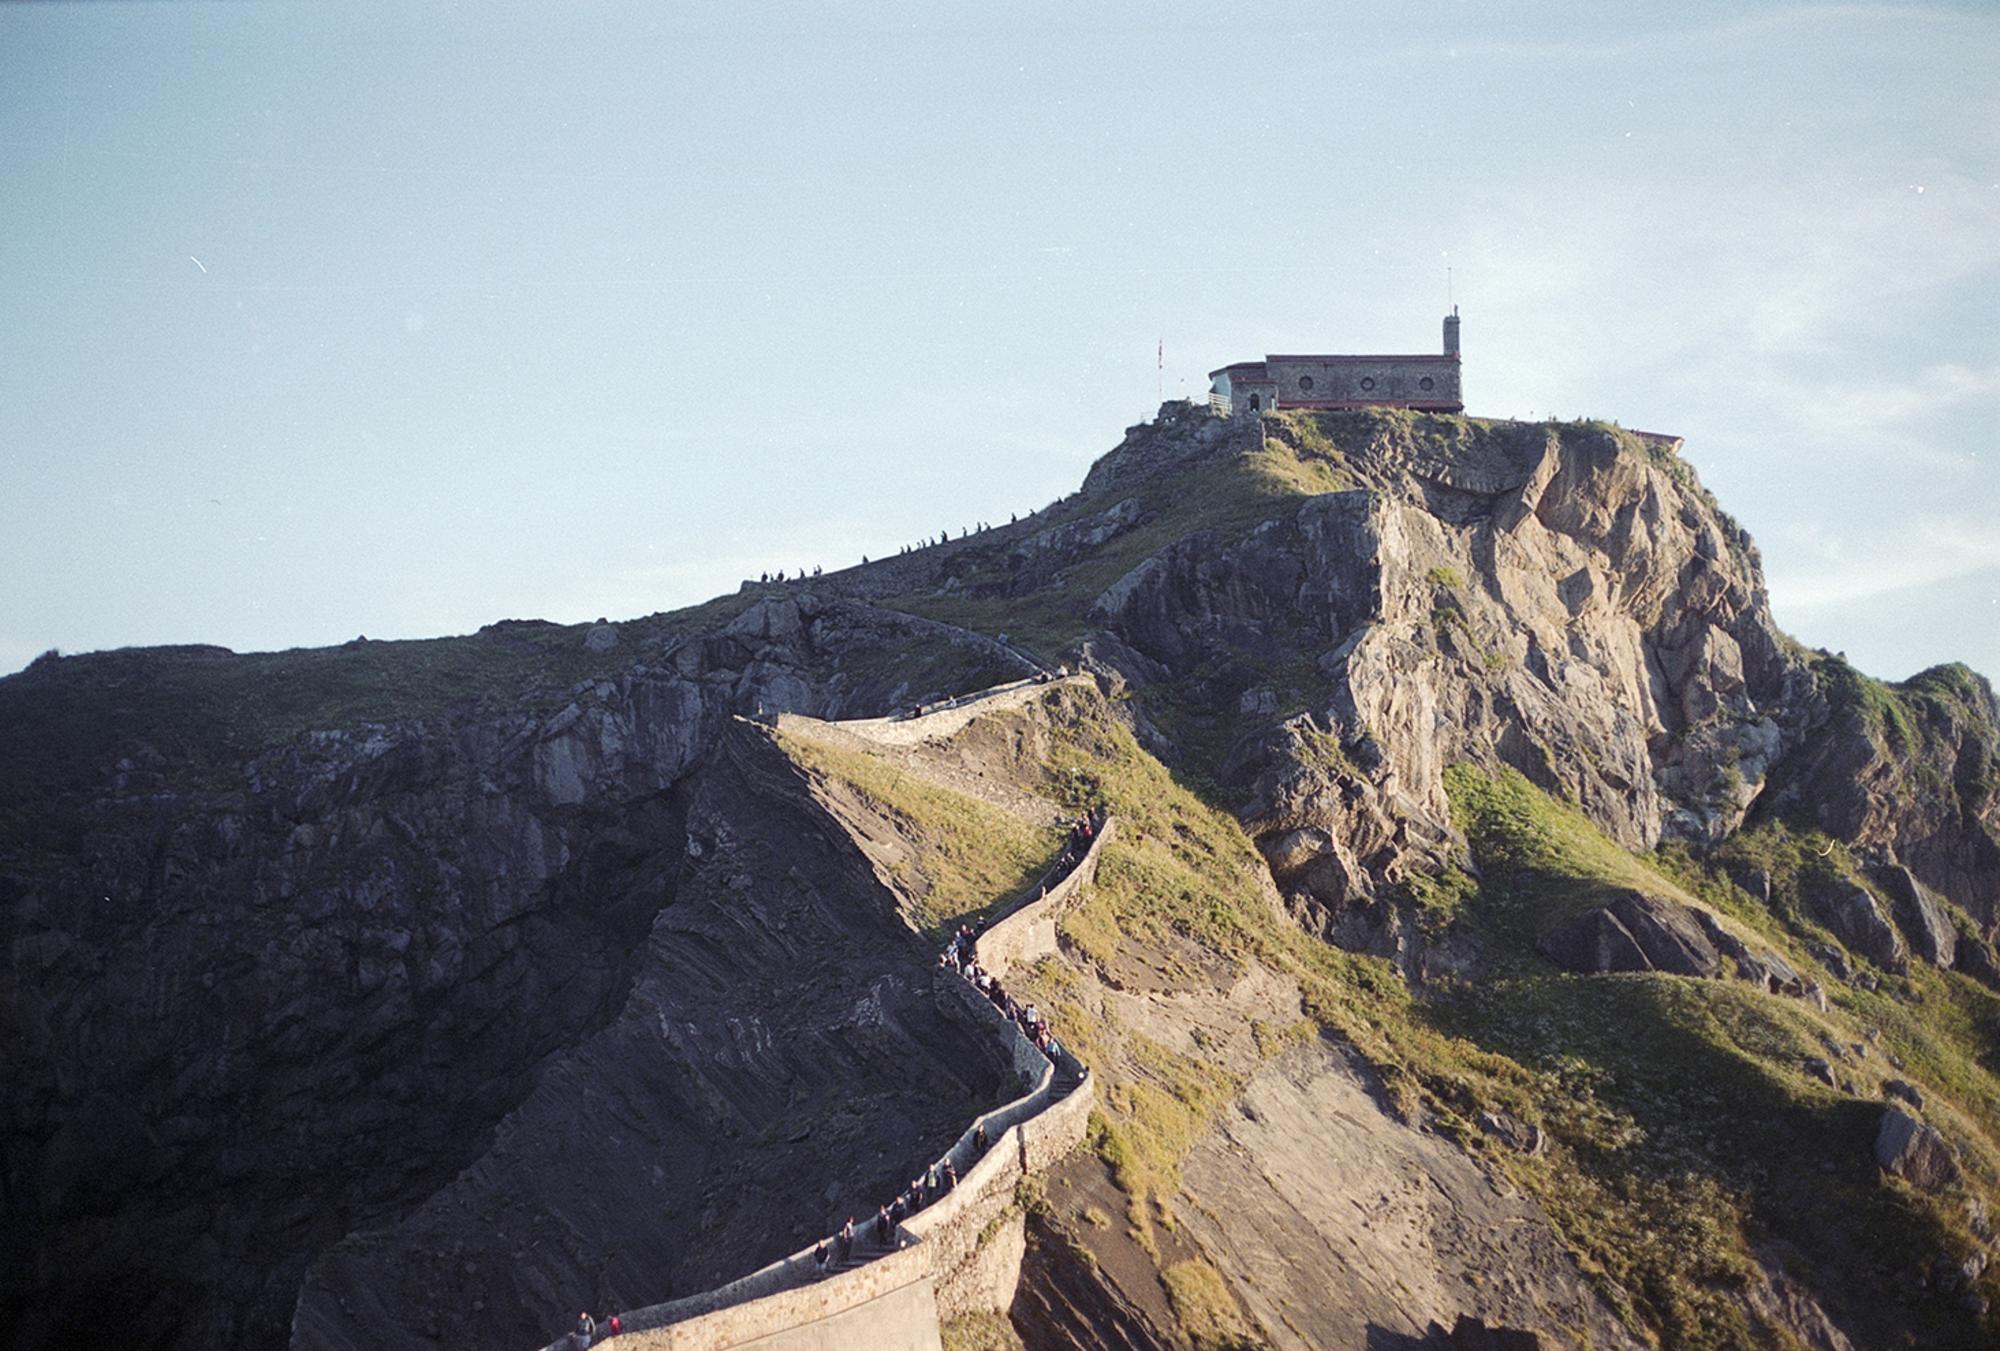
(601, 638)
(1522, 1135)
(1851, 911)
(1833, 959)
(1907, 1091)
(1668, 934)
(1914, 1151)
(1923, 920)
(1762, 968)
(1754, 881)
(1593, 943)
(1635, 932)
(1822, 1070)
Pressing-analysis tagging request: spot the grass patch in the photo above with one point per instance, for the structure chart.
(1157, 1115)
(1208, 1314)
(1557, 863)
(1880, 708)
(980, 1332)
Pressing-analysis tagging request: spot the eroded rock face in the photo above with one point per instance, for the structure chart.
(1549, 599)
(1562, 600)
(1276, 1188)
(777, 1064)
(1919, 791)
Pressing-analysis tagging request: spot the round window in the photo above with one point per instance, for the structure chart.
(1368, 382)
(1427, 383)
(1305, 382)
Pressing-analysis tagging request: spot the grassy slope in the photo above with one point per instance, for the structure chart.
(1693, 1132)
(1228, 496)
(969, 855)
(1684, 1130)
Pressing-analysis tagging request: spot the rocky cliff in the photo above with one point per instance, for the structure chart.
(409, 994)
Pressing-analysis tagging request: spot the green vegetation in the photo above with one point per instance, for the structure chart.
(1558, 863)
(1683, 1128)
(1881, 711)
(1207, 1312)
(1684, 1121)
(968, 856)
(980, 1332)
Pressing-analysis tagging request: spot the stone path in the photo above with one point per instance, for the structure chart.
(1068, 1072)
(939, 721)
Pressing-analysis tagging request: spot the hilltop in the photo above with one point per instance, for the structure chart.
(1489, 864)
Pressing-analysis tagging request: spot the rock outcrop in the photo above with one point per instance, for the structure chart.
(1851, 911)
(1922, 919)
(1635, 932)
(1557, 600)
(1914, 1151)
(513, 967)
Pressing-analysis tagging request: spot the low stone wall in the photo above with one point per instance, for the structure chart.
(1027, 933)
(897, 1283)
(1055, 1132)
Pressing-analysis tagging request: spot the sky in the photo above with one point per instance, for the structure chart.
(323, 319)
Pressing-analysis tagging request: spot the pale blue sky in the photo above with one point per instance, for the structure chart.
(319, 320)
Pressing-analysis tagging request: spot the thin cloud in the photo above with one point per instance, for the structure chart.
(1841, 570)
